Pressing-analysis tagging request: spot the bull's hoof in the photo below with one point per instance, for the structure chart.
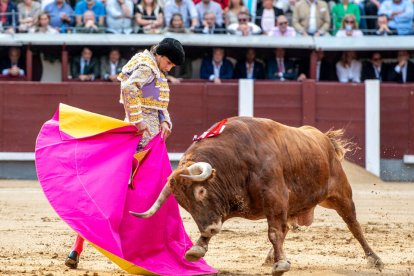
(280, 267)
(195, 253)
(270, 258)
(375, 262)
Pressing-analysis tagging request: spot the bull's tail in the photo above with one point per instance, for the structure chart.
(340, 144)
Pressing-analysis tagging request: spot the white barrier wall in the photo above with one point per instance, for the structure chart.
(372, 126)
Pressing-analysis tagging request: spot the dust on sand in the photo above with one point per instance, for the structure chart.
(34, 241)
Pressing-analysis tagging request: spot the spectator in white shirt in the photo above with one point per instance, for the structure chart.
(349, 27)
(311, 17)
(119, 16)
(244, 27)
(266, 16)
(348, 69)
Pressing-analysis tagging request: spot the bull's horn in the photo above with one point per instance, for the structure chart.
(199, 171)
(166, 191)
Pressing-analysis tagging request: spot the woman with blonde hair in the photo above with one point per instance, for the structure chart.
(231, 12)
(349, 27)
(149, 16)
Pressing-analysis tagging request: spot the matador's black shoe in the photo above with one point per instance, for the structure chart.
(72, 260)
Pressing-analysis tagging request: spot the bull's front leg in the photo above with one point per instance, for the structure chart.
(276, 213)
(198, 250)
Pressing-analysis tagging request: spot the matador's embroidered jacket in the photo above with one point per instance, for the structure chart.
(144, 86)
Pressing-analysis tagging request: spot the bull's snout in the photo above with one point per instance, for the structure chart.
(212, 230)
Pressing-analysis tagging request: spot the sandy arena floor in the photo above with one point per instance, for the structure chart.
(34, 241)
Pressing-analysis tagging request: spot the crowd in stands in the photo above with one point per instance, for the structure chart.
(236, 17)
(217, 66)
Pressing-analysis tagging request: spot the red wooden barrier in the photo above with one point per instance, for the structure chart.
(195, 106)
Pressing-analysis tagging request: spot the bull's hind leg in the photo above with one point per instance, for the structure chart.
(340, 199)
(276, 213)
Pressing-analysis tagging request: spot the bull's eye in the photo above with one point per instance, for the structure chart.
(200, 193)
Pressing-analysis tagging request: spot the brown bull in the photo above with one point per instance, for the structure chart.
(256, 169)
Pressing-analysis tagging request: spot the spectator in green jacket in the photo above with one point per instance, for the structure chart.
(340, 10)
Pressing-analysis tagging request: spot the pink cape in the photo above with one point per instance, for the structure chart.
(86, 182)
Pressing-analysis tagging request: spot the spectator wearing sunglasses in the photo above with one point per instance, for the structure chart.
(374, 69)
(341, 9)
(282, 28)
(349, 27)
(244, 27)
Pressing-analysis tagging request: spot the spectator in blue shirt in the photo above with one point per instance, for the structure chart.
(61, 14)
(7, 20)
(187, 10)
(217, 67)
(400, 15)
(92, 5)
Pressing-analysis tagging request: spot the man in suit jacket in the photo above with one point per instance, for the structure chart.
(85, 67)
(374, 69)
(217, 67)
(112, 65)
(14, 65)
(281, 68)
(249, 68)
(302, 14)
(403, 71)
(209, 25)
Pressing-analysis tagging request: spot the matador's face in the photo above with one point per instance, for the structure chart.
(164, 63)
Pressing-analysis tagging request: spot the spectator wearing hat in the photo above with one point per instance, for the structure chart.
(142, 81)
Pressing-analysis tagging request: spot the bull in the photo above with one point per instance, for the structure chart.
(258, 168)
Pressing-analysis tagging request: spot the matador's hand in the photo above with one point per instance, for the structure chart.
(142, 128)
(165, 130)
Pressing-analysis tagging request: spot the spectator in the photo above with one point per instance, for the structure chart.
(28, 14)
(14, 65)
(325, 70)
(403, 70)
(95, 6)
(177, 24)
(217, 67)
(371, 8)
(249, 67)
(119, 16)
(281, 68)
(89, 26)
(266, 16)
(8, 16)
(349, 27)
(374, 69)
(244, 27)
(43, 25)
(348, 69)
(383, 29)
(85, 67)
(61, 15)
(340, 10)
(282, 28)
(230, 13)
(187, 10)
(223, 3)
(180, 72)
(208, 5)
(112, 65)
(311, 17)
(400, 15)
(149, 16)
(209, 25)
